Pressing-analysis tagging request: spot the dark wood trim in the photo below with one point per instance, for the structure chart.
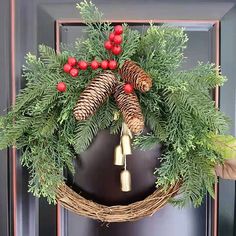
(72, 21)
(6, 25)
(13, 100)
(217, 100)
(59, 219)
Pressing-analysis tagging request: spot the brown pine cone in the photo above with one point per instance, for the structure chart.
(130, 108)
(94, 95)
(131, 73)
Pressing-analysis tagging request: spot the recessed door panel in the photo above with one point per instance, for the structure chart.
(169, 220)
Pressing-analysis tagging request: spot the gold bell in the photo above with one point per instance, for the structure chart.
(119, 159)
(125, 180)
(126, 130)
(126, 144)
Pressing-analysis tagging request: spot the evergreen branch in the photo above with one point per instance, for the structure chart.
(225, 145)
(131, 42)
(116, 125)
(87, 130)
(45, 175)
(146, 142)
(196, 173)
(161, 48)
(206, 76)
(49, 57)
(13, 131)
(89, 12)
(97, 30)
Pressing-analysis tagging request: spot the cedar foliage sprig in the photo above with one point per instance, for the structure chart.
(178, 110)
(98, 30)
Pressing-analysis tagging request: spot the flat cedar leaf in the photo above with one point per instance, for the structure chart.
(224, 144)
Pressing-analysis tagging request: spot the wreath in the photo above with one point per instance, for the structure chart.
(122, 80)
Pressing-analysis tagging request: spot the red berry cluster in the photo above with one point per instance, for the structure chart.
(114, 41)
(73, 66)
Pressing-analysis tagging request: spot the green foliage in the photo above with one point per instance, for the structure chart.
(206, 76)
(146, 142)
(130, 44)
(195, 169)
(98, 32)
(88, 129)
(89, 12)
(178, 111)
(198, 178)
(223, 144)
(161, 49)
(116, 125)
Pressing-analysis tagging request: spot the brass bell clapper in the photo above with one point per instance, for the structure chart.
(121, 151)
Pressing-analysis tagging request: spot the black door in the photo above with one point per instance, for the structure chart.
(25, 24)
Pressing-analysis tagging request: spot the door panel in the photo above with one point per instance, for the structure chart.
(185, 222)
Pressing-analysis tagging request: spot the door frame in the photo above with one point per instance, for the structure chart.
(211, 204)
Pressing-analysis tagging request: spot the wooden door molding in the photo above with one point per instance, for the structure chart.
(5, 93)
(212, 204)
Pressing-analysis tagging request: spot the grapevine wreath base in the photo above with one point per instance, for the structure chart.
(117, 213)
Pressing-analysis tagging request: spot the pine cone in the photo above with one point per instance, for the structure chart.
(94, 95)
(130, 108)
(131, 73)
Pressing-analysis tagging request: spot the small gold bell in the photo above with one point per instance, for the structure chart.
(125, 180)
(126, 144)
(126, 130)
(119, 159)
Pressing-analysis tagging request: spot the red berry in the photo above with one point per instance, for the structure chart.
(112, 65)
(94, 65)
(67, 67)
(83, 65)
(116, 50)
(128, 88)
(72, 61)
(74, 72)
(108, 45)
(61, 87)
(111, 36)
(117, 39)
(118, 29)
(104, 64)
